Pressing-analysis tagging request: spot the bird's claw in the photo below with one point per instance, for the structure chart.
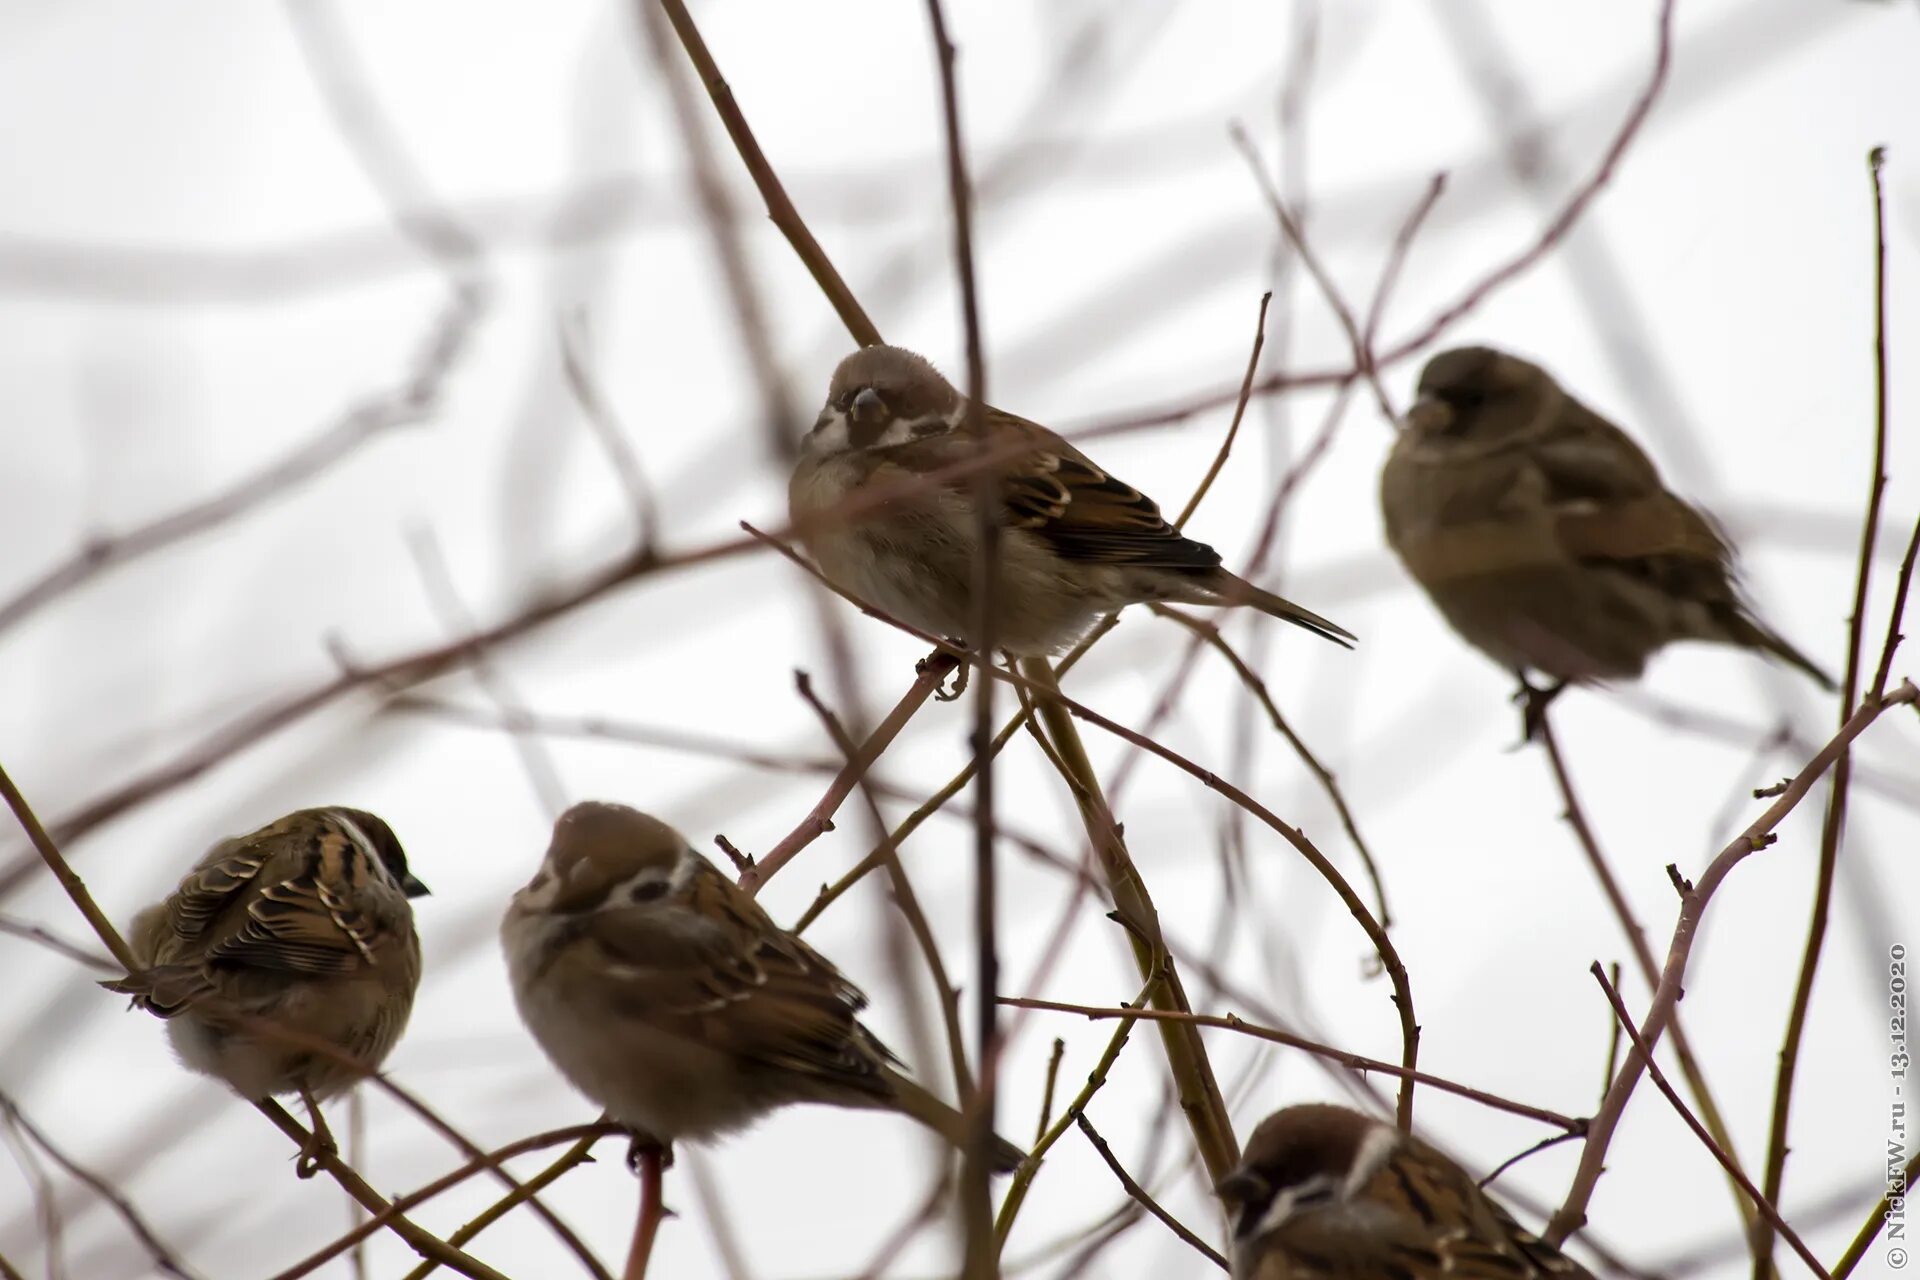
(313, 1152)
(644, 1145)
(941, 692)
(1533, 702)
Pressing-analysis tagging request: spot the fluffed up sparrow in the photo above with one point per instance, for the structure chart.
(1546, 536)
(304, 925)
(1325, 1193)
(1077, 543)
(667, 996)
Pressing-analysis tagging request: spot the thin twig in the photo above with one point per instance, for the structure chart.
(75, 887)
(652, 1208)
(163, 1257)
(1894, 616)
(1212, 636)
(908, 904)
(1551, 1140)
(1352, 1061)
(934, 669)
(536, 760)
(1016, 1193)
(725, 231)
(779, 208)
(1576, 817)
(1694, 899)
(1233, 425)
(581, 1152)
(1199, 1092)
(1870, 1229)
(976, 1203)
(53, 942)
(1833, 826)
(1397, 258)
(423, 1242)
(1364, 362)
(1727, 1162)
(1046, 1096)
(598, 410)
(1139, 1193)
(1059, 712)
(585, 1134)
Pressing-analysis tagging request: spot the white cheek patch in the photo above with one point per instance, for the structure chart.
(1279, 1209)
(685, 870)
(538, 894)
(902, 430)
(829, 435)
(1375, 1150)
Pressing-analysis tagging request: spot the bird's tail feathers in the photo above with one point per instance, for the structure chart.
(163, 990)
(1231, 588)
(950, 1124)
(1748, 630)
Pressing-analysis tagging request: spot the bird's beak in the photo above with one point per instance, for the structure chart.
(1429, 413)
(1240, 1186)
(412, 887)
(867, 407)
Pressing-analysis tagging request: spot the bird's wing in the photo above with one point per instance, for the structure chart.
(1610, 508)
(1064, 497)
(1461, 1228)
(737, 983)
(288, 899)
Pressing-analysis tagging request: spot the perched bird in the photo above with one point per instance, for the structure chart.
(1076, 542)
(302, 926)
(1546, 536)
(1325, 1193)
(666, 995)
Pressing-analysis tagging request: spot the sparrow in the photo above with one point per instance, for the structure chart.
(303, 925)
(1546, 537)
(1076, 543)
(663, 992)
(1326, 1193)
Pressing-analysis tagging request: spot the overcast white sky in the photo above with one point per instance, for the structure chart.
(198, 272)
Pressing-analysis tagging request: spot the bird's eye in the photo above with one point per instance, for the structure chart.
(843, 401)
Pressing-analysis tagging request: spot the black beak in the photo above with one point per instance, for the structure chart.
(1240, 1186)
(867, 406)
(412, 887)
(1429, 414)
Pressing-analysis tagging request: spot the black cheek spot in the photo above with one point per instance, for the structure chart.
(647, 892)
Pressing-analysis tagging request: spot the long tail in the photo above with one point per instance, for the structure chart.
(950, 1124)
(1231, 588)
(1747, 630)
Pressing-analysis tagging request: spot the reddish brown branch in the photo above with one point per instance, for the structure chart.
(163, 1257)
(779, 207)
(1139, 1193)
(649, 1166)
(819, 820)
(1833, 825)
(1727, 1162)
(587, 1133)
(1694, 898)
(1351, 1061)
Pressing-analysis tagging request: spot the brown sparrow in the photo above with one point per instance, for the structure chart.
(1546, 536)
(667, 996)
(1077, 543)
(304, 925)
(1325, 1193)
